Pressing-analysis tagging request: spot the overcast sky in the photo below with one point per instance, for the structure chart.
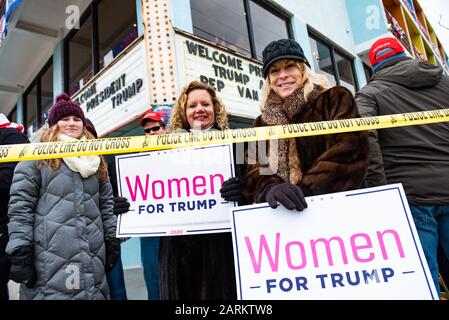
(437, 11)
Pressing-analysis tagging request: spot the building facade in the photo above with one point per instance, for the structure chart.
(118, 58)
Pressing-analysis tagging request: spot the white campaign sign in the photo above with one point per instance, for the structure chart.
(175, 192)
(359, 244)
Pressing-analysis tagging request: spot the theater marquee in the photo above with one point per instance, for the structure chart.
(238, 80)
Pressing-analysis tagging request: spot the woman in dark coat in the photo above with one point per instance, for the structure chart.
(197, 266)
(304, 166)
(62, 229)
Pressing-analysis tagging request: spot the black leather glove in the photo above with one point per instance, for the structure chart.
(22, 266)
(121, 205)
(231, 190)
(112, 253)
(289, 195)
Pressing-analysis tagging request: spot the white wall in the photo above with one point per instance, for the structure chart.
(328, 17)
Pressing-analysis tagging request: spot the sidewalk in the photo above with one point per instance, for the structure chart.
(134, 282)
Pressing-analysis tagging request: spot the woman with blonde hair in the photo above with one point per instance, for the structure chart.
(62, 229)
(306, 166)
(197, 266)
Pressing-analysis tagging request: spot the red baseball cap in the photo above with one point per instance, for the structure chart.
(151, 116)
(383, 49)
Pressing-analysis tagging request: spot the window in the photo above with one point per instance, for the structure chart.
(222, 22)
(322, 60)
(38, 98)
(345, 71)
(80, 56)
(337, 67)
(46, 93)
(12, 116)
(31, 109)
(267, 26)
(107, 28)
(245, 26)
(368, 72)
(117, 28)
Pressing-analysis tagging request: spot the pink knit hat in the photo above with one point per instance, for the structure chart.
(64, 107)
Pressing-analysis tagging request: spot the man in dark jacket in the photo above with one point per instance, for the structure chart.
(10, 133)
(416, 156)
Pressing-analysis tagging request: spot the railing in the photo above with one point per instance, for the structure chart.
(418, 54)
(397, 31)
(424, 30)
(406, 44)
(410, 8)
(435, 50)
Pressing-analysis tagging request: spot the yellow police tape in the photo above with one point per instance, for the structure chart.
(48, 150)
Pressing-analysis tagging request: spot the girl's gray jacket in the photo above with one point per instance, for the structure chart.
(66, 219)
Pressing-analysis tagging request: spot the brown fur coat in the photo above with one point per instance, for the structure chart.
(323, 164)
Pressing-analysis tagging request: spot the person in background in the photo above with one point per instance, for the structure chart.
(153, 124)
(10, 133)
(304, 166)
(62, 228)
(197, 266)
(416, 156)
(116, 277)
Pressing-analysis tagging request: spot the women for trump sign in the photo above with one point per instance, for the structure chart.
(359, 244)
(175, 192)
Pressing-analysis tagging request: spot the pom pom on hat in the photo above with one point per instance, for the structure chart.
(63, 96)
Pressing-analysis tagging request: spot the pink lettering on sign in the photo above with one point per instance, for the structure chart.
(327, 246)
(356, 248)
(178, 187)
(323, 251)
(264, 247)
(198, 183)
(138, 185)
(143, 188)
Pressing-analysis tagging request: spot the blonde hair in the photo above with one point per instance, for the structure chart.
(178, 118)
(51, 135)
(309, 81)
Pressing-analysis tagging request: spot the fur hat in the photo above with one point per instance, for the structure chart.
(64, 107)
(282, 49)
(384, 50)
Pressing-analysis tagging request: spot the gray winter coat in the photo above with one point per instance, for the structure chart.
(67, 219)
(416, 156)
